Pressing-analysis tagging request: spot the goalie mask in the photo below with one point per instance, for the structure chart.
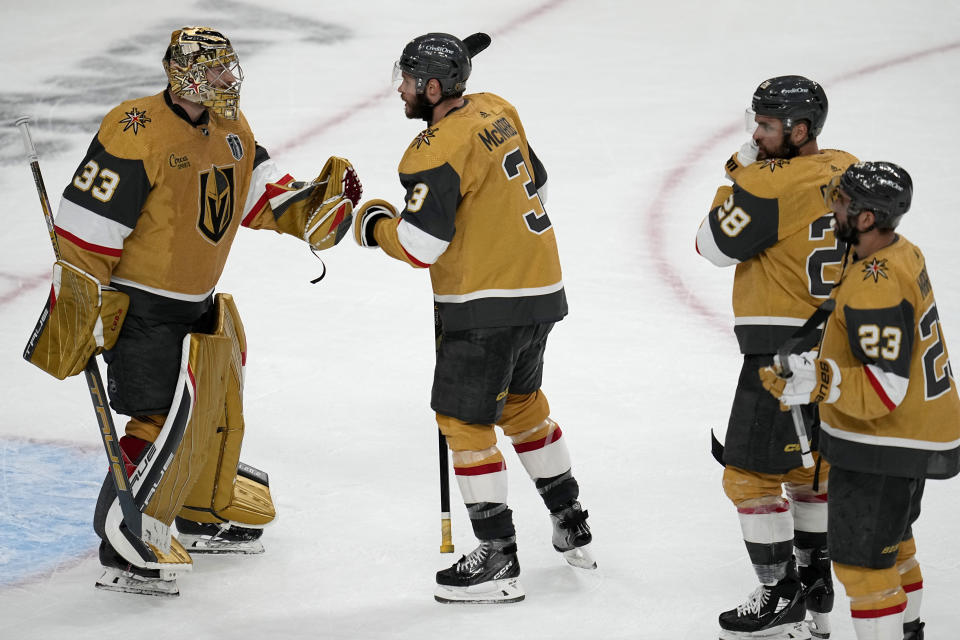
(202, 67)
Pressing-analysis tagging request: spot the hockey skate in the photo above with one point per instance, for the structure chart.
(913, 630)
(571, 535)
(207, 537)
(120, 575)
(489, 574)
(772, 612)
(817, 581)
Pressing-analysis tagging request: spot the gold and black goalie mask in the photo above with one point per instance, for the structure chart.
(202, 67)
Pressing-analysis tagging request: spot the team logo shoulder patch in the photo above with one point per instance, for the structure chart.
(423, 138)
(775, 163)
(875, 269)
(135, 119)
(236, 146)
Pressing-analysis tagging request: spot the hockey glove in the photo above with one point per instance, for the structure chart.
(743, 158)
(812, 379)
(331, 206)
(81, 319)
(366, 218)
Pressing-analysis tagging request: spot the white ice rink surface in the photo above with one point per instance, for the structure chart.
(633, 108)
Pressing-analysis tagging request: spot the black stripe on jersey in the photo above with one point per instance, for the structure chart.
(260, 155)
(899, 461)
(436, 210)
(154, 306)
(503, 312)
(112, 187)
(882, 337)
(746, 228)
(758, 339)
(539, 171)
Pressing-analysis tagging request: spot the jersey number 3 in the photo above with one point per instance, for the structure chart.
(512, 164)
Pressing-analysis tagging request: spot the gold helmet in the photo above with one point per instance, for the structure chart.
(202, 67)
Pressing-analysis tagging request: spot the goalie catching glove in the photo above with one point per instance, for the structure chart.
(366, 219)
(80, 320)
(320, 212)
(811, 379)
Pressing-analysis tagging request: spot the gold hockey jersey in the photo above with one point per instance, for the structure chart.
(474, 216)
(774, 226)
(898, 412)
(156, 202)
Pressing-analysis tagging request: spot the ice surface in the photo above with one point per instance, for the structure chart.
(633, 108)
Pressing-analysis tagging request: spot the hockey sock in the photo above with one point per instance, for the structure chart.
(768, 534)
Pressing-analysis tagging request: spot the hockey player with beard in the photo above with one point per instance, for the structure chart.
(473, 215)
(890, 414)
(144, 229)
(772, 224)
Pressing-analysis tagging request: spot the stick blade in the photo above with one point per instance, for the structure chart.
(476, 43)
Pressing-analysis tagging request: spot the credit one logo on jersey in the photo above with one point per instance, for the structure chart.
(216, 202)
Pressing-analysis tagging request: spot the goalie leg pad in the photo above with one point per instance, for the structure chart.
(79, 320)
(229, 492)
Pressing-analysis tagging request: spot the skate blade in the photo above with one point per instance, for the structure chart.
(580, 557)
(791, 631)
(819, 625)
(204, 544)
(124, 582)
(491, 592)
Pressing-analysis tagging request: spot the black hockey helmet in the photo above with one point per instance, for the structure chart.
(881, 187)
(441, 56)
(792, 99)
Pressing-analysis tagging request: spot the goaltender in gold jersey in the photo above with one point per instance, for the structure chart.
(144, 229)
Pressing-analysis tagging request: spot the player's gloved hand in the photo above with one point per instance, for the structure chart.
(366, 218)
(748, 153)
(328, 212)
(811, 379)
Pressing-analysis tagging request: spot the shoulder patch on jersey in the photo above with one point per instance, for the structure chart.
(423, 138)
(923, 283)
(236, 146)
(775, 163)
(135, 119)
(875, 269)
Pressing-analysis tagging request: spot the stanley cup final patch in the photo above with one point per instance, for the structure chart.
(236, 147)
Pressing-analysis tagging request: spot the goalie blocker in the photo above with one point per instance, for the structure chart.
(191, 473)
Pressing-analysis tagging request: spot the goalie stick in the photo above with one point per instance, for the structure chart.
(108, 432)
(446, 534)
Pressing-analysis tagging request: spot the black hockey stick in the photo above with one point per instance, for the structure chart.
(783, 353)
(108, 432)
(446, 534)
(814, 321)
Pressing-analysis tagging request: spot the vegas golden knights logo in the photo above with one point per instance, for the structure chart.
(216, 202)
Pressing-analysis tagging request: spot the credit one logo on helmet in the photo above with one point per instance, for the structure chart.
(437, 48)
(216, 202)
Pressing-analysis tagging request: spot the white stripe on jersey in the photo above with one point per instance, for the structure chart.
(420, 244)
(265, 173)
(707, 246)
(501, 293)
(772, 320)
(893, 385)
(187, 297)
(888, 441)
(91, 227)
